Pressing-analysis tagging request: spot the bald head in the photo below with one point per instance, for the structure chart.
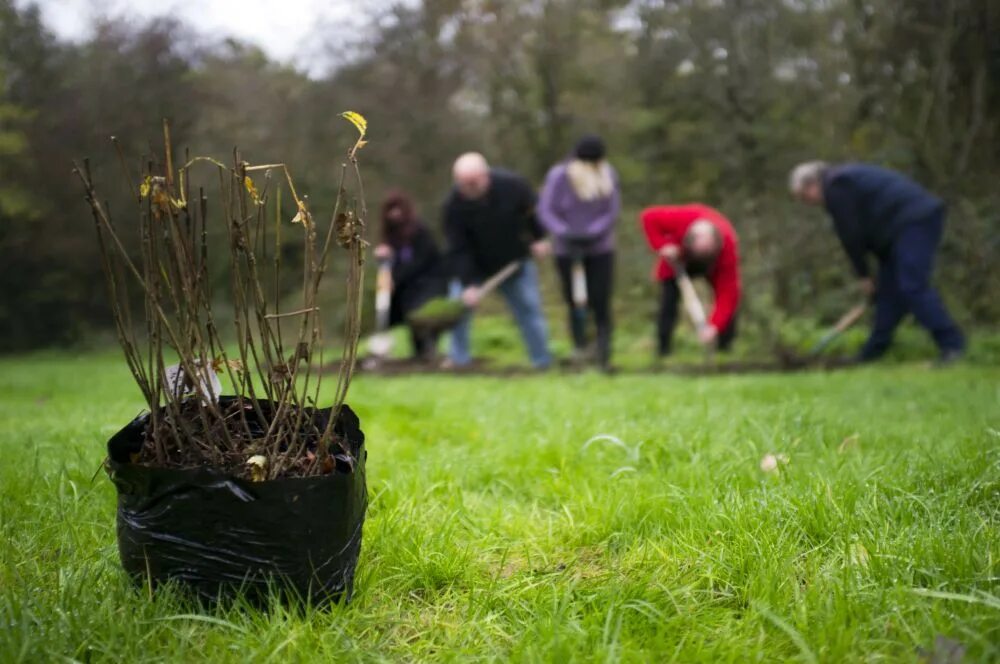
(703, 241)
(471, 174)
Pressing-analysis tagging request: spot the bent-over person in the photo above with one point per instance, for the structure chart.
(881, 213)
(703, 242)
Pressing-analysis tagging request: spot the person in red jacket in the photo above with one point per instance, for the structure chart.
(702, 241)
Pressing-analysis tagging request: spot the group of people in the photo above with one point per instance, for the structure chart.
(493, 218)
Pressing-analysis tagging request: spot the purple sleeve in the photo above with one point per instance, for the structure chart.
(601, 225)
(547, 214)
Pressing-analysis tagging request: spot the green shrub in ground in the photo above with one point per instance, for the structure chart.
(439, 313)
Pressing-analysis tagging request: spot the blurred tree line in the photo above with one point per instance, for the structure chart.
(710, 100)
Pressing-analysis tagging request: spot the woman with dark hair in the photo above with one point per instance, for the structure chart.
(579, 206)
(416, 265)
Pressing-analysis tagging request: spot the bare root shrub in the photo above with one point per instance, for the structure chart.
(268, 356)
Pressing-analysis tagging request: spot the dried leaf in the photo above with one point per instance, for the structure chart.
(258, 467)
(157, 192)
(301, 354)
(346, 228)
(220, 363)
(357, 120)
(280, 374)
(302, 216)
(361, 124)
(251, 189)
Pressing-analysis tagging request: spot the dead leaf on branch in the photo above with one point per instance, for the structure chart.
(258, 467)
(154, 187)
(301, 354)
(220, 363)
(361, 124)
(342, 224)
(302, 216)
(357, 120)
(251, 189)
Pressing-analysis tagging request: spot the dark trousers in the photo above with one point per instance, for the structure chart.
(904, 286)
(599, 270)
(424, 345)
(670, 298)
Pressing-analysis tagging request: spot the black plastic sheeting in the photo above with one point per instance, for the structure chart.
(221, 536)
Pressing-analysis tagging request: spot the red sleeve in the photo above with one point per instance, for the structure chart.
(726, 284)
(664, 225)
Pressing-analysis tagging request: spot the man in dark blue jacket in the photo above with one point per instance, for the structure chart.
(881, 212)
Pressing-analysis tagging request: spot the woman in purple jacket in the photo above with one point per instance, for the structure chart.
(579, 205)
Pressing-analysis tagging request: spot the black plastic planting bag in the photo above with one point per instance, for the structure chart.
(220, 535)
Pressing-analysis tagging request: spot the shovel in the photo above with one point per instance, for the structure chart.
(692, 304)
(441, 313)
(852, 316)
(380, 344)
(578, 292)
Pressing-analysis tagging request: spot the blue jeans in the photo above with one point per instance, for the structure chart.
(525, 303)
(904, 286)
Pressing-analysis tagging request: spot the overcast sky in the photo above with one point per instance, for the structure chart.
(289, 30)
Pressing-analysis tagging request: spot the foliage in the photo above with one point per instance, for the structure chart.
(498, 533)
(437, 314)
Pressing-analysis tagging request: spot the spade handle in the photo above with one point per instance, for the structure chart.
(500, 277)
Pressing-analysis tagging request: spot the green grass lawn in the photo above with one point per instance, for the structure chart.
(497, 532)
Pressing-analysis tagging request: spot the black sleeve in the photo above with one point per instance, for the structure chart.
(843, 207)
(529, 203)
(424, 261)
(460, 261)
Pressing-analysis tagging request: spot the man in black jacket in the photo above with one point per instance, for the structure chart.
(489, 219)
(881, 212)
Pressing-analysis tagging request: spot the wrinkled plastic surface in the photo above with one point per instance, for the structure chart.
(220, 535)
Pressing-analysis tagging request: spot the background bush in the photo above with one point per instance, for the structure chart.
(709, 101)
